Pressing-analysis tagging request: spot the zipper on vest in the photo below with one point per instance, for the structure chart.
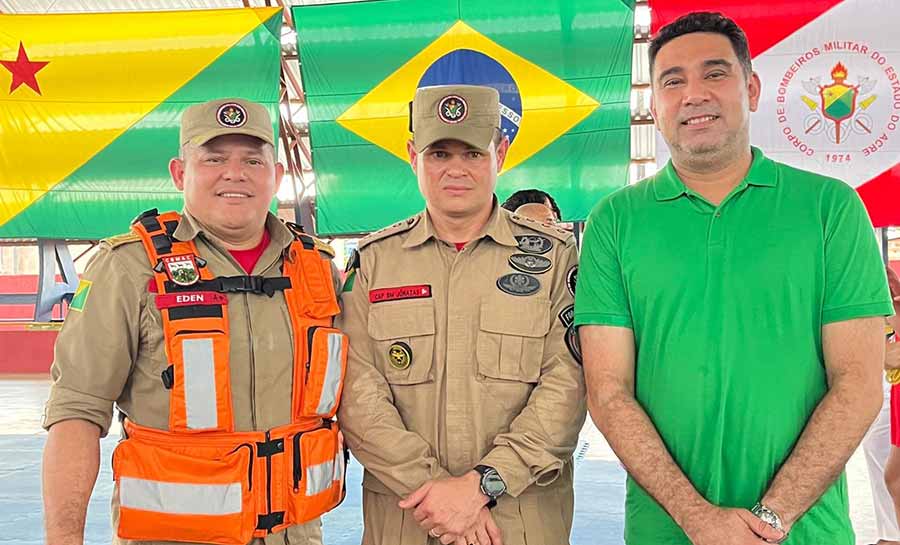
(310, 333)
(268, 478)
(192, 331)
(250, 467)
(297, 462)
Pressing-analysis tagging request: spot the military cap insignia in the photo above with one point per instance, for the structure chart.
(530, 263)
(400, 355)
(518, 284)
(452, 109)
(231, 115)
(533, 244)
(572, 279)
(182, 269)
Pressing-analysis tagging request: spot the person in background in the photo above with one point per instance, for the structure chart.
(529, 196)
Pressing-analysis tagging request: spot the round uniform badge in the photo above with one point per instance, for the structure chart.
(533, 244)
(400, 355)
(452, 109)
(231, 114)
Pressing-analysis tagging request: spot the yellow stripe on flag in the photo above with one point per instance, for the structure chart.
(104, 72)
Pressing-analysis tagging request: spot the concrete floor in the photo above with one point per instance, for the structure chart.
(599, 483)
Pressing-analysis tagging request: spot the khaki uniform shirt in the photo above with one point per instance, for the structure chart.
(113, 351)
(490, 381)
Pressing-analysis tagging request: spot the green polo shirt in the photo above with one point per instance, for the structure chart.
(727, 305)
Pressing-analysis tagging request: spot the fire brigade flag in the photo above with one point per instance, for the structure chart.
(563, 71)
(830, 88)
(90, 107)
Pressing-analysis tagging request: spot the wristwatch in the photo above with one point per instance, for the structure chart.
(492, 485)
(771, 518)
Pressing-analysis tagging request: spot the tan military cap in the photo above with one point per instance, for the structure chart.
(468, 113)
(203, 122)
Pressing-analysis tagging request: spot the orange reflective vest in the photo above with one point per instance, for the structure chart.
(200, 481)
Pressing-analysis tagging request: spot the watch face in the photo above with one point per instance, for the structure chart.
(492, 484)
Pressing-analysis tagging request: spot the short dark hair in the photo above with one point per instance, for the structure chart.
(529, 196)
(704, 21)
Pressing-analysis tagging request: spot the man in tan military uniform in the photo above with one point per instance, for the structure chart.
(110, 350)
(458, 320)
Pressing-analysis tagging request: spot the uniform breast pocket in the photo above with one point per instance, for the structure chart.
(402, 334)
(511, 337)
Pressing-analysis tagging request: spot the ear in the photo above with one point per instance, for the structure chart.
(502, 149)
(653, 109)
(279, 176)
(176, 171)
(413, 155)
(754, 89)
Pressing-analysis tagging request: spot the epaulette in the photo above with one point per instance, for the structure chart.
(323, 246)
(552, 230)
(118, 240)
(390, 230)
(320, 245)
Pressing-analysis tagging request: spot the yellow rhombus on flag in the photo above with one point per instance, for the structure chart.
(550, 106)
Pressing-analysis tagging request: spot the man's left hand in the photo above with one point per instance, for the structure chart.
(447, 506)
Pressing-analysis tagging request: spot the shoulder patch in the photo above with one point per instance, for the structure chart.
(389, 231)
(118, 240)
(555, 232)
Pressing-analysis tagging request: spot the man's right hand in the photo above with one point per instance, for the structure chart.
(721, 526)
(484, 532)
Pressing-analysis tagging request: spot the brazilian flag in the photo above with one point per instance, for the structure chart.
(562, 68)
(90, 108)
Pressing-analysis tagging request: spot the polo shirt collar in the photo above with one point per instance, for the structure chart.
(667, 185)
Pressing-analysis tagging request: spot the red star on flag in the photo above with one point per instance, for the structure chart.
(24, 70)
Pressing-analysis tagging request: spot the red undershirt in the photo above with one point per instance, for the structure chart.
(460, 245)
(246, 258)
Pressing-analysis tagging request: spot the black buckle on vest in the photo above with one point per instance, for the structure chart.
(153, 212)
(236, 284)
(168, 377)
(267, 522)
(269, 448)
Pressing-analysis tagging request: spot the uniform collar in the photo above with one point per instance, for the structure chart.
(497, 227)
(667, 185)
(188, 229)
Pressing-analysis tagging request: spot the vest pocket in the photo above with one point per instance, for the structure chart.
(184, 493)
(319, 466)
(323, 374)
(201, 392)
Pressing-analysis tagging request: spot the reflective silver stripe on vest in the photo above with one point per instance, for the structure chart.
(180, 498)
(319, 477)
(339, 465)
(199, 383)
(332, 374)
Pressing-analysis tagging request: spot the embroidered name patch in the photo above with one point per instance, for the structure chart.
(422, 291)
(170, 300)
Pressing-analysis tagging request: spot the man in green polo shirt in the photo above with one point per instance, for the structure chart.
(730, 312)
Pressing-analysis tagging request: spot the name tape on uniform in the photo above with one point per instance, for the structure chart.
(421, 291)
(170, 300)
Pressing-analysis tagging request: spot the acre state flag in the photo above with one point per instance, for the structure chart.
(90, 108)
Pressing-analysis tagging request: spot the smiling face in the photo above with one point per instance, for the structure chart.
(228, 184)
(456, 179)
(702, 99)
